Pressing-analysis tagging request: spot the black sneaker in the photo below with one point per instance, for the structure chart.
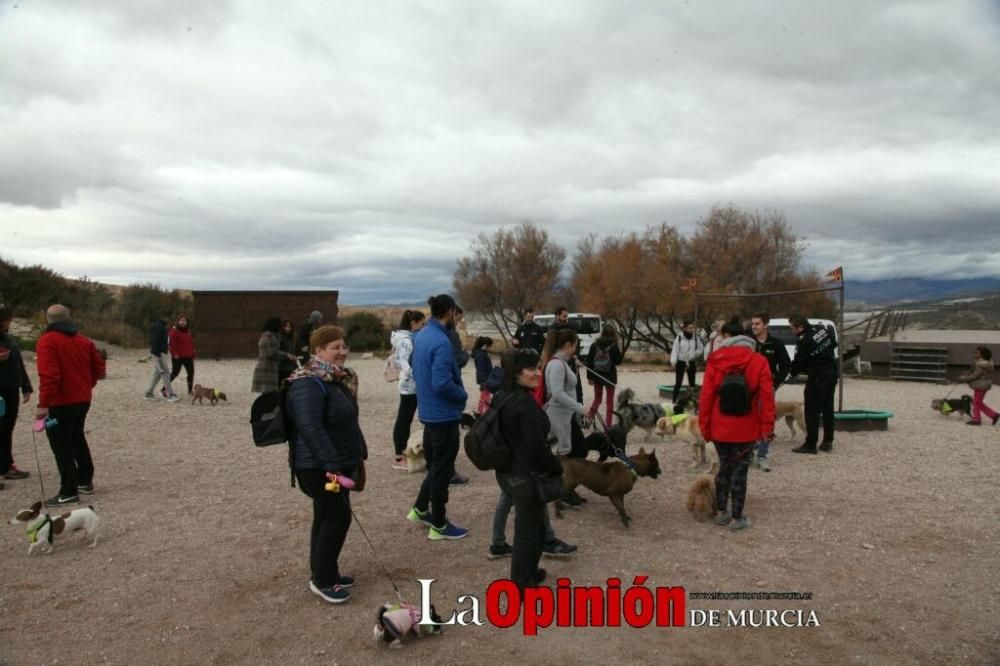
(62, 500)
(458, 480)
(86, 489)
(540, 576)
(335, 594)
(501, 551)
(14, 473)
(572, 499)
(558, 548)
(345, 582)
(826, 446)
(804, 449)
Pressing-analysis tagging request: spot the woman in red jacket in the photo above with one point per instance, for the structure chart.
(182, 350)
(736, 409)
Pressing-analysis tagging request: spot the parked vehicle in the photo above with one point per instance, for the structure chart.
(588, 327)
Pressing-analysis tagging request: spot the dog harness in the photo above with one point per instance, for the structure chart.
(33, 530)
(678, 419)
(945, 407)
(215, 393)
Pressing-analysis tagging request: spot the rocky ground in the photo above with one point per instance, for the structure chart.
(203, 557)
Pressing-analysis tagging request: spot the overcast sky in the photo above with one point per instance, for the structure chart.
(361, 146)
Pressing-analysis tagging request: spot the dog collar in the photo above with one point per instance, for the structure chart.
(215, 393)
(33, 530)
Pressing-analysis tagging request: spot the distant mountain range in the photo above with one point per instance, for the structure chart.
(888, 292)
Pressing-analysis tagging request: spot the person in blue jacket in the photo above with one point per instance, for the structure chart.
(441, 399)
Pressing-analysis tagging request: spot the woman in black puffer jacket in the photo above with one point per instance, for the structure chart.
(526, 428)
(322, 403)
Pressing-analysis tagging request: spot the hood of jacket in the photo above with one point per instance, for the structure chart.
(733, 354)
(399, 335)
(65, 327)
(985, 364)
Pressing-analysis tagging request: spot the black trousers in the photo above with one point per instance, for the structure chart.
(579, 443)
(404, 420)
(441, 442)
(13, 399)
(187, 364)
(692, 372)
(331, 521)
(69, 446)
(734, 463)
(819, 394)
(529, 528)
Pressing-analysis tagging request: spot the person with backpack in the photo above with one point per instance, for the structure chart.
(816, 355)
(181, 345)
(441, 399)
(687, 350)
(402, 352)
(322, 403)
(525, 428)
(484, 366)
(774, 351)
(529, 335)
(736, 410)
(602, 371)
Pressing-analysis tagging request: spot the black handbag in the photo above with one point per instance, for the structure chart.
(550, 486)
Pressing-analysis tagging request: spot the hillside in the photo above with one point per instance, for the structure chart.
(899, 290)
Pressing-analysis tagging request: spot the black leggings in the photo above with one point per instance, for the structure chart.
(330, 523)
(692, 371)
(734, 463)
(404, 419)
(187, 364)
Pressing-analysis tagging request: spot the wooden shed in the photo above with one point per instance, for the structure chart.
(227, 324)
(927, 355)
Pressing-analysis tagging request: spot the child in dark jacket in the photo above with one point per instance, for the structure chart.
(602, 371)
(484, 366)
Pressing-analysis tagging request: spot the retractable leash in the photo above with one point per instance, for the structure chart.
(375, 555)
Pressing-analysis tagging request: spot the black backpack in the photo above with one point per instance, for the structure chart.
(734, 395)
(269, 419)
(485, 445)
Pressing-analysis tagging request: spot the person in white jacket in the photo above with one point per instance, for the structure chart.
(687, 351)
(402, 350)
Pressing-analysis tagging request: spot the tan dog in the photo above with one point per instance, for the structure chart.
(414, 453)
(200, 393)
(689, 431)
(612, 479)
(701, 496)
(793, 413)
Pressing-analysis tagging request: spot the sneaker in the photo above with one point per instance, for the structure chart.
(740, 524)
(722, 518)
(499, 552)
(448, 532)
(540, 576)
(996, 419)
(86, 489)
(826, 446)
(458, 480)
(572, 499)
(558, 548)
(150, 396)
(417, 516)
(62, 500)
(173, 397)
(763, 465)
(14, 473)
(973, 423)
(399, 463)
(804, 449)
(755, 461)
(335, 594)
(345, 582)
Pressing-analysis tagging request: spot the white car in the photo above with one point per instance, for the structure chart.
(588, 327)
(781, 329)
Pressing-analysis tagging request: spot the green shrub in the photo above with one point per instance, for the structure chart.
(365, 332)
(26, 344)
(142, 304)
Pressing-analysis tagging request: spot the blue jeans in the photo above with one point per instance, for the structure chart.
(763, 446)
(502, 512)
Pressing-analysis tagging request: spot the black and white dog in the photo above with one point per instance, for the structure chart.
(948, 406)
(632, 414)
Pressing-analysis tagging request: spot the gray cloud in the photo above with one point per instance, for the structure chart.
(362, 146)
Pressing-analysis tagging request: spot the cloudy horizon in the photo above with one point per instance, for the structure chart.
(362, 147)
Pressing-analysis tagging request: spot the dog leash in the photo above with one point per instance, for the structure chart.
(375, 555)
(38, 463)
(621, 455)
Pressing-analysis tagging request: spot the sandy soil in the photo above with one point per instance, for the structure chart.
(204, 551)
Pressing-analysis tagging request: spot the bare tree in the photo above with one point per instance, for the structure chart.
(509, 271)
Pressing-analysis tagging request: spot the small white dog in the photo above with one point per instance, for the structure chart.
(414, 453)
(43, 528)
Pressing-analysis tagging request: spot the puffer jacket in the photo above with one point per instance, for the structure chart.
(402, 352)
(484, 366)
(328, 436)
(68, 365)
(526, 428)
(441, 396)
(737, 355)
(980, 377)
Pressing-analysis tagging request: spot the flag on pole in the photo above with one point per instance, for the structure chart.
(836, 275)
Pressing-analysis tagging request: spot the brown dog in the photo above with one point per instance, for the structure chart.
(612, 479)
(200, 393)
(701, 496)
(793, 413)
(688, 430)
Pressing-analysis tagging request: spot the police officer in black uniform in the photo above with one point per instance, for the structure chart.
(529, 335)
(815, 355)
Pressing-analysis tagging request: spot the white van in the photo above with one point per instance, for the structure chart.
(588, 327)
(781, 329)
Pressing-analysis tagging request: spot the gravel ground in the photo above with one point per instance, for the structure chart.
(204, 551)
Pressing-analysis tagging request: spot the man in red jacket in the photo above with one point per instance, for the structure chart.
(736, 410)
(69, 366)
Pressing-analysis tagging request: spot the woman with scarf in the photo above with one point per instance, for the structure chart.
(327, 442)
(181, 346)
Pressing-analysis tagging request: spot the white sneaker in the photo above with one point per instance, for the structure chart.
(763, 465)
(173, 398)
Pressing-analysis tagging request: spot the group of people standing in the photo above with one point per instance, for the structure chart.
(280, 351)
(173, 345)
